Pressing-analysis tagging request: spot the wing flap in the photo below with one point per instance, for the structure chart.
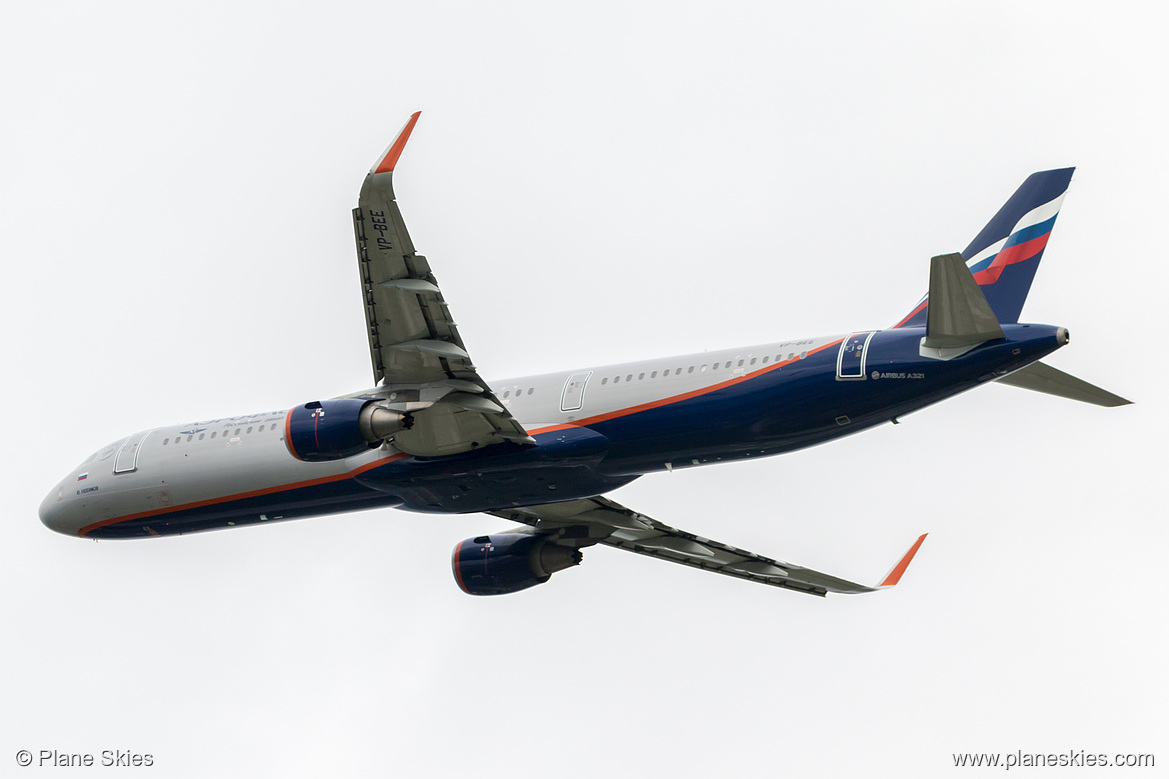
(591, 521)
(413, 340)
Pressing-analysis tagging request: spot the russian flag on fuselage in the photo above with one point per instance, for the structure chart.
(1006, 254)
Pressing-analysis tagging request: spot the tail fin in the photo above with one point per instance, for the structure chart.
(1006, 254)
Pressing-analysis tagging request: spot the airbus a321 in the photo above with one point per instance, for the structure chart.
(433, 436)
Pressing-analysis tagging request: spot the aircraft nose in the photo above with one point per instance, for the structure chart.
(59, 515)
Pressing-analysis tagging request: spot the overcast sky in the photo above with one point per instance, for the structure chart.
(592, 185)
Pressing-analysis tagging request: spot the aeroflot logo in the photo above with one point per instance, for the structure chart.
(192, 431)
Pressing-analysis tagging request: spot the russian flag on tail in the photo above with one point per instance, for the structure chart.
(1006, 254)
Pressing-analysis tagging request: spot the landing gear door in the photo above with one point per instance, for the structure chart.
(573, 396)
(850, 361)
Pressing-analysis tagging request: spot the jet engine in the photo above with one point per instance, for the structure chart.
(508, 562)
(334, 429)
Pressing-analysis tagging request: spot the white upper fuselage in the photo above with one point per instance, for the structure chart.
(207, 461)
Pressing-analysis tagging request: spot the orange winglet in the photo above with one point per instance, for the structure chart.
(895, 575)
(390, 158)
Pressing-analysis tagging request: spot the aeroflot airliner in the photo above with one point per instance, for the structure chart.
(541, 451)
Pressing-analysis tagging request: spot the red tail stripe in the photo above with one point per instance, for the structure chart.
(1017, 253)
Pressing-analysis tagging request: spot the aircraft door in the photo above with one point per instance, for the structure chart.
(127, 459)
(850, 361)
(573, 396)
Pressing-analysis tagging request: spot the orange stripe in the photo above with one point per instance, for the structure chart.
(684, 396)
(376, 463)
(455, 567)
(912, 314)
(288, 432)
(895, 575)
(395, 151)
(242, 495)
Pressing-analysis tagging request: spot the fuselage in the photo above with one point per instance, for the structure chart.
(595, 429)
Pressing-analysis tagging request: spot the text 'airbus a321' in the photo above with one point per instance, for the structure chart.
(433, 436)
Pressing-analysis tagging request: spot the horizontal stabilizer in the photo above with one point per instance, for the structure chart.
(1044, 378)
(958, 314)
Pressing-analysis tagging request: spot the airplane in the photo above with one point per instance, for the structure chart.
(432, 436)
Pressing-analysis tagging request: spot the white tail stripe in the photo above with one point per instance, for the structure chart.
(1033, 217)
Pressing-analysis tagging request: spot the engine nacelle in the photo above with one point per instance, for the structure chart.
(334, 429)
(508, 562)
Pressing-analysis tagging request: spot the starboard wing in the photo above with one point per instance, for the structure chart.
(414, 345)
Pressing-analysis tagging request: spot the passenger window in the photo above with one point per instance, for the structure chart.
(740, 363)
(654, 375)
(237, 431)
(803, 355)
(213, 432)
(605, 380)
(531, 390)
(165, 441)
(202, 436)
(616, 379)
(507, 393)
(190, 438)
(249, 431)
(765, 358)
(752, 360)
(702, 369)
(690, 369)
(629, 377)
(640, 376)
(791, 355)
(678, 372)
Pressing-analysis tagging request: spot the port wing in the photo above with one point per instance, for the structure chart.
(601, 521)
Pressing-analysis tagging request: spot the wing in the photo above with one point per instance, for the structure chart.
(415, 347)
(599, 520)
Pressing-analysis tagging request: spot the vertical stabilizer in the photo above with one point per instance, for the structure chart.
(1004, 257)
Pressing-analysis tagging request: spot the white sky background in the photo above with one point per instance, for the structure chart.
(591, 186)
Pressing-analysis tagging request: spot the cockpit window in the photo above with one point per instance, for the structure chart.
(108, 452)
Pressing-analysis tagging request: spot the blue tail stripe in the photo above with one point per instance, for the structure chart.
(1039, 188)
(1022, 236)
(1027, 233)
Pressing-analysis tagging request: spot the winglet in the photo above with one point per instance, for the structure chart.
(894, 575)
(389, 158)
